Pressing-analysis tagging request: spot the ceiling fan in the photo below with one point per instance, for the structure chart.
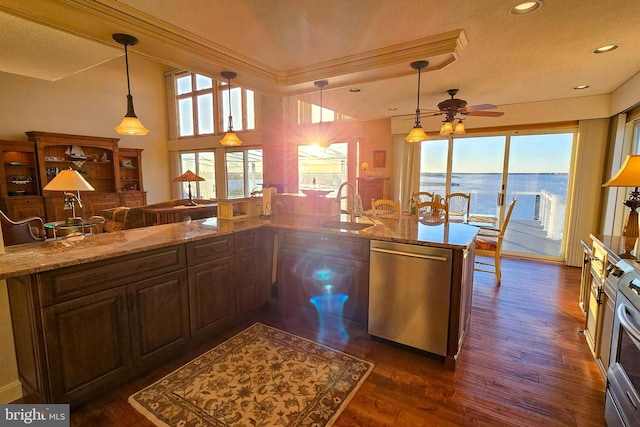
(454, 106)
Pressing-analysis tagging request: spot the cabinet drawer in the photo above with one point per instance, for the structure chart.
(209, 249)
(68, 283)
(343, 247)
(247, 240)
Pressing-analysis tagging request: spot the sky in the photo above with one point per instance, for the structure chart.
(546, 153)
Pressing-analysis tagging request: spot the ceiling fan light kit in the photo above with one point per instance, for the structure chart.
(130, 124)
(417, 134)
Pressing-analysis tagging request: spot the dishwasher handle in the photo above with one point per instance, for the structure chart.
(409, 254)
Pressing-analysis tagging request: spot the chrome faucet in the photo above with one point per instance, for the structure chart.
(354, 205)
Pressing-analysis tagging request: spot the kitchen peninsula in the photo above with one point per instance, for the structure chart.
(89, 313)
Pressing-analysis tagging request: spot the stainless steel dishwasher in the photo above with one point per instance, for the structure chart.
(409, 294)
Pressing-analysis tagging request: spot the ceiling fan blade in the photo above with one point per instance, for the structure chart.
(479, 107)
(483, 113)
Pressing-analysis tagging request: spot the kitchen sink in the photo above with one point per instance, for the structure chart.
(339, 225)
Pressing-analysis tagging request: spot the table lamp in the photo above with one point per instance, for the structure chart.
(629, 176)
(364, 166)
(188, 177)
(68, 181)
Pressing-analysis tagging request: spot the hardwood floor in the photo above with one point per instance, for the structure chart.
(522, 364)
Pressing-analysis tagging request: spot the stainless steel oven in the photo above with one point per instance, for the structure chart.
(622, 403)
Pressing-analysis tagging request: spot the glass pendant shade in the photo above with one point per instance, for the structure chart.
(230, 138)
(130, 124)
(417, 134)
(459, 128)
(447, 128)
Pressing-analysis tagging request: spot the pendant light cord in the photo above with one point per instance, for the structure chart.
(126, 61)
(230, 115)
(418, 102)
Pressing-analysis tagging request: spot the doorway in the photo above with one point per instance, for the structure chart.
(533, 168)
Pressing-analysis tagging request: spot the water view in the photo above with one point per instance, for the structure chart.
(528, 188)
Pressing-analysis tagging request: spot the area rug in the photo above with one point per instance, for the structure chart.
(261, 377)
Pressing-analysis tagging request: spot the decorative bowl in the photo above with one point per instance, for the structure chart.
(315, 193)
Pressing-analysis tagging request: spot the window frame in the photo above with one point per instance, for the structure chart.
(217, 91)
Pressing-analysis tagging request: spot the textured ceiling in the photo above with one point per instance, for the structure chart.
(282, 46)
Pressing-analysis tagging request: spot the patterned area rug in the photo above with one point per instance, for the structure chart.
(261, 377)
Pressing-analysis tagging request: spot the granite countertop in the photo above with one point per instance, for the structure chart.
(52, 254)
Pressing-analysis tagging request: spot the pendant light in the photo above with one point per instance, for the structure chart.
(321, 141)
(130, 124)
(417, 133)
(230, 138)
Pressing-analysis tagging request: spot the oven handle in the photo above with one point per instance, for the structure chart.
(628, 322)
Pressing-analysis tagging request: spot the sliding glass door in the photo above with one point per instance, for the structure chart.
(534, 169)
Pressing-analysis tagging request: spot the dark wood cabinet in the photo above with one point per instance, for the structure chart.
(129, 177)
(20, 195)
(312, 267)
(253, 269)
(87, 327)
(212, 299)
(87, 344)
(159, 317)
(372, 188)
(211, 296)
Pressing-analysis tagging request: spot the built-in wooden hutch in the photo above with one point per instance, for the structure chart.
(27, 167)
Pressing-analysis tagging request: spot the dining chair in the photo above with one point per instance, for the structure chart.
(432, 211)
(24, 231)
(489, 243)
(458, 205)
(422, 196)
(386, 208)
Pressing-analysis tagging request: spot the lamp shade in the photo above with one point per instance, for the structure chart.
(230, 139)
(628, 175)
(131, 126)
(68, 180)
(364, 166)
(188, 176)
(446, 128)
(417, 134)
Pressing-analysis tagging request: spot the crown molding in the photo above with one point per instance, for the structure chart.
(165, 43)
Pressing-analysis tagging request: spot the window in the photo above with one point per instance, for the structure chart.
(532, 168)
(203, 102)
(244, 172)
(203, 164)
(310, 113)
(326, 166)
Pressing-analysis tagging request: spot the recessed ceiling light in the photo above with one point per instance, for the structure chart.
(525, 7)
(607, 48)
(392, 108)
(579, 87)
(354, 90)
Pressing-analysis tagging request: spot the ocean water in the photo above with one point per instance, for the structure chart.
(528, 188)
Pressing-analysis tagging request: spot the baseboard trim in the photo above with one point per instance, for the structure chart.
(11, 392)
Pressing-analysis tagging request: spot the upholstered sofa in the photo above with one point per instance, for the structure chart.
(124, 218)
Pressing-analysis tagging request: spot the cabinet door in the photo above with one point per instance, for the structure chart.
(25, 207)
(159, 316)
(87, 343)
(305, 277)
(253, 261)
(212, 299)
